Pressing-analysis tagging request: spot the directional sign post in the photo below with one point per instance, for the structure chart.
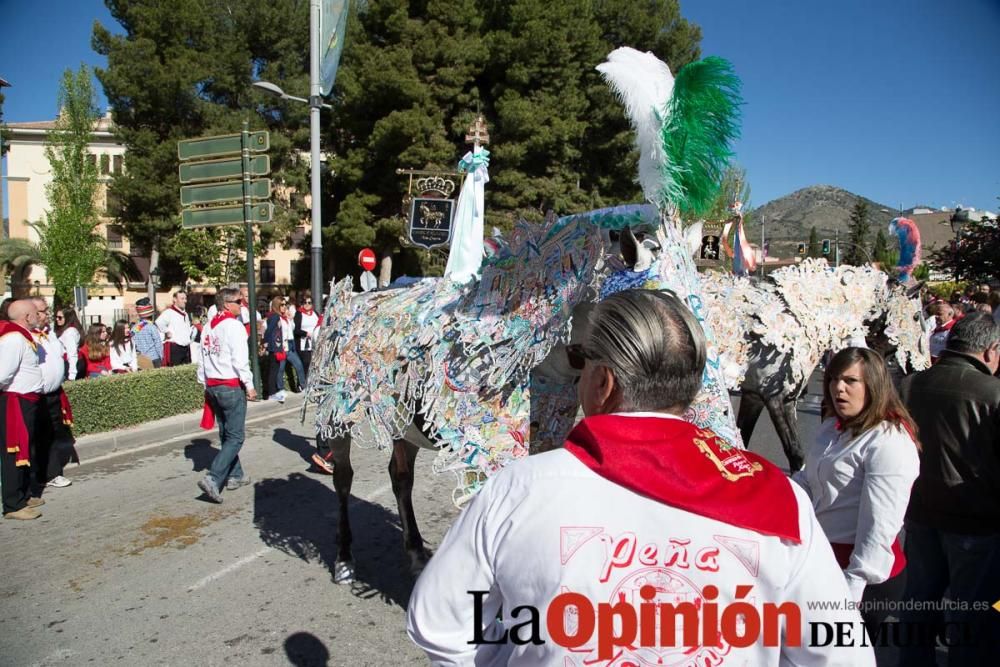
(230, 183)
(221, 170)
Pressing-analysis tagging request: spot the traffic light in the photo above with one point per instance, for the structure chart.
(826, 246)
(802, 248)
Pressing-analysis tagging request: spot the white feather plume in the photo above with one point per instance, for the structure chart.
(644, 84)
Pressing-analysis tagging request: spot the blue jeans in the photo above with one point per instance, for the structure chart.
(230, 405)
(292, 358)
(968, 567)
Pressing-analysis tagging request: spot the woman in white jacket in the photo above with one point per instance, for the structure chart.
(69, 332)
(123, 359)
(858, 474)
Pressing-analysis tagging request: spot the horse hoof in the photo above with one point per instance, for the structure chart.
(418, 560)
(343, 572)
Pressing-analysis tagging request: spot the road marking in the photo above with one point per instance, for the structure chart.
(246, 560)
(232, 567)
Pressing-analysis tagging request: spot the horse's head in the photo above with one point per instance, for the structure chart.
(896, 328)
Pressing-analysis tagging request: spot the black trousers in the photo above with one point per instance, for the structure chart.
(273, 370)
(53, 440)
(890, 590)
(179, 354)
(15, 479)
(306, 357)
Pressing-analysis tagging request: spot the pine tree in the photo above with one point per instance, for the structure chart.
(882, 252)
(814, 249)
(182, 70)
(858, 235)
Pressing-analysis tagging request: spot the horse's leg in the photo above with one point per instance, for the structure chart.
(404, 454)
(782, 410)
(751, 405)
(343, 476)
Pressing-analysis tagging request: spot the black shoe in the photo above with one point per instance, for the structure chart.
(232, 483)
(208, 487)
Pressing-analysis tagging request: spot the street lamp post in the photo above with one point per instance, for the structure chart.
(154, 280)
(315, 103)
(957, 221)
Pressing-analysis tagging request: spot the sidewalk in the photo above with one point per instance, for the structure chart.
(179, 427)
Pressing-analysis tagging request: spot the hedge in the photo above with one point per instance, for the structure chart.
(117, 401)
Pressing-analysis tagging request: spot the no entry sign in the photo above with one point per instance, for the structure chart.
(366, 259)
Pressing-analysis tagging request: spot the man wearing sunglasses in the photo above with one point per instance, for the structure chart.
(639, 506)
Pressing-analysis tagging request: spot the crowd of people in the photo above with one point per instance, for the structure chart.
(946, 312)
(41, 350)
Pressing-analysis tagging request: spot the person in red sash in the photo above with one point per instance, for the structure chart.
(174, 324)
(54, 442)
(640, 510)
(20, 384)
(225, 372)
(859, 473)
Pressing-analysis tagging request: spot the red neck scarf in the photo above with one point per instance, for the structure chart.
(181, 312)
(222, 315)
(8, 327)
(305, 311)
(678, 464)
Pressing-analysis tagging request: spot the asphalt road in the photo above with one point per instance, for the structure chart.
(129, 566)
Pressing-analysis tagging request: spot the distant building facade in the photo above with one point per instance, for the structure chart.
(28, 176)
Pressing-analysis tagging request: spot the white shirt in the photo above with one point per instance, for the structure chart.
(225, 353)
(308, 323)
(70, 339)
(175, 327)
(860, 488)
(123, 360)
(549, 524)
(287, 331)
(50, 360)
(19, 370)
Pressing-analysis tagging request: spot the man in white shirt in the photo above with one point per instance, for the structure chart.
(175, 325)
(645, 540)
(225, 372)
(53, 440)
(20, 384)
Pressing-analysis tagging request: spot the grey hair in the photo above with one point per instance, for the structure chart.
(653, 344)
(974, 334)
(226, 294)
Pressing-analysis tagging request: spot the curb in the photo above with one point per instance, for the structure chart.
(100, 446)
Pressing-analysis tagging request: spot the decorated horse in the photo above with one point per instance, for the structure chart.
(447, 365)
(772, 335)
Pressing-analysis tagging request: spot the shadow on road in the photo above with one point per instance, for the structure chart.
(301, 445)
(201, 453)
(299, 516)
(306, 650)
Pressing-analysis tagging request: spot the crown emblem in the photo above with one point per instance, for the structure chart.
(437, 184)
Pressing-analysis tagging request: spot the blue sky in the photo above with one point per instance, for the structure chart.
(896, 100)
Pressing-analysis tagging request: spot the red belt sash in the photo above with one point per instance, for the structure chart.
(17, 432)
(843, 553)
(207, 413)
(67, 411)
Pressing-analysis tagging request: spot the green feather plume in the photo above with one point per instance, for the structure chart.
(702, 121)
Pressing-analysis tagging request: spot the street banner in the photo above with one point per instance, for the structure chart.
(332, 26)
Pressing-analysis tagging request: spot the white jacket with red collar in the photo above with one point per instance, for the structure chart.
(224, 351)
(637, 514)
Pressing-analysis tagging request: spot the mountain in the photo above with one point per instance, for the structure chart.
(788, 219)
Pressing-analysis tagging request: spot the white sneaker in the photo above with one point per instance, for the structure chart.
(279, 397)
(59, 482)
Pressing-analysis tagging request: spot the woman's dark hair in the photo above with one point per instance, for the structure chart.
(882, 403)
(96, 348)
(120, 335)
(70, 321)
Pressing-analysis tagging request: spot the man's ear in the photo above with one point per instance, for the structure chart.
(608, 393)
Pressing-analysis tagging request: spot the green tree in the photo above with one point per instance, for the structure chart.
(184, 69)
(814, 249)
(883, 253)
(857, 241)
(978, 257)
(69, 246)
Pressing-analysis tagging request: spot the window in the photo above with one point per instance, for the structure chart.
(92, 160)
(118, 160)
(114, 233)
(267, 271)
(105, 164)
(113, 204)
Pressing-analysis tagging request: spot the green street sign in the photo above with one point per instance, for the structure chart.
(222, 170)
(226, 144)
(214, 193)
(225, 215)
